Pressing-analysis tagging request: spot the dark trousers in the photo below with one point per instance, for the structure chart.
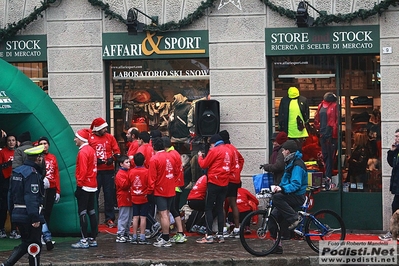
(105, 180)
(215, 196)
(329, 149)
(29, 235)
(86, 208)
(284, 210)
(395, 203)
(49, 199)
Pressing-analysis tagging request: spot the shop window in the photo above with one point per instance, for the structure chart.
(359, 108)
(36, 71)
(143, 94)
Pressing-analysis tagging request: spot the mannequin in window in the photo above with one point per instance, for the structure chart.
(293, 115)
(178, 124)
(326, 121)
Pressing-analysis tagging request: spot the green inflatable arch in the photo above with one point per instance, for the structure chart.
(25, 106)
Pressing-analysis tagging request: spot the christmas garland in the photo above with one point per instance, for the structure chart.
(322, 20)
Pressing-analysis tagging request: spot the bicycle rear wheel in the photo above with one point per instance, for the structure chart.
(255, 235)
(326, 225)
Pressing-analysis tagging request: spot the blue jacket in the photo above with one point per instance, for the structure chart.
(295, 177)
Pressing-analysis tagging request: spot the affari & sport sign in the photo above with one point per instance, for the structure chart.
(148, 45)
(323, 40)
(24, 48)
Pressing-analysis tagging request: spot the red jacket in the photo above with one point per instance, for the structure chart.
(198, 191)
(133, 147)
(177, 164)
(238, 165)
(86, 167)
(246, 201)
(138, 178)
(147, 150)
(122, 185)
(106, 147)
(162, 175)
(219, 162)
(332, 117)
(52, 172)
(5, 156)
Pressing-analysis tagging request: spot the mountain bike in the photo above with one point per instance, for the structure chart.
(323, 225)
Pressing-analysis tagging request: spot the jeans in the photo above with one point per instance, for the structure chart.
(105, 180)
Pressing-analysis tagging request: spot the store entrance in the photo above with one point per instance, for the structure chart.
(354, 80)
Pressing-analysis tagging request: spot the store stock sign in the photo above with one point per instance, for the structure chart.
(323, 40)
(24, 48)
(179, 44)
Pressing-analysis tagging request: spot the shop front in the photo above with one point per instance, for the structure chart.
(344, 61)
(154, 80)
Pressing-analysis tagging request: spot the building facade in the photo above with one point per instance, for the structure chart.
(90, 64)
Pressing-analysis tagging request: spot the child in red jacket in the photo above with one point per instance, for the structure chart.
(138, 177)
(123, 197)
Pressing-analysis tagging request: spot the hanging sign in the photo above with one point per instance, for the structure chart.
(323, 40)
(146, 45)
(24, 48)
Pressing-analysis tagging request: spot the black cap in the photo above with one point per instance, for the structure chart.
(215, 138)
(290, 145)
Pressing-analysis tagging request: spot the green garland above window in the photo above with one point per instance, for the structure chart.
(322, 20)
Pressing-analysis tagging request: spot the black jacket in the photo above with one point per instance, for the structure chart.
(393, 161)
(284, 109)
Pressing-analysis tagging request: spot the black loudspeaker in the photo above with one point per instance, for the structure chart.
(207, 118)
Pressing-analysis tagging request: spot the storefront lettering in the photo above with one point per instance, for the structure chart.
(22, 45)
(324, 40)
(183, 43)
(164, 73)
(122, 50)
(289, 37)
(360, 36)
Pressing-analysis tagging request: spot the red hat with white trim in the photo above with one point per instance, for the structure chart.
(83, 134)
(98, 124)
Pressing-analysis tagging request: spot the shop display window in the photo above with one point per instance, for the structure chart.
(145, 93)
(36, 71)
(358, 78)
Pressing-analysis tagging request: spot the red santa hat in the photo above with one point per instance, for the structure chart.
(83, 134)
(98, 124)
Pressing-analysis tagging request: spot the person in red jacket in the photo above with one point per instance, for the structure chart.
(132, 135)
(145, 147)
(6, 158)
(138, 178)
(219, 161)
(122, 185)
(107, 150)
(326, 121)
(162, 185)
(180, 237)
(234, 183)
(246, 203)
(53, 190)
(86, 187)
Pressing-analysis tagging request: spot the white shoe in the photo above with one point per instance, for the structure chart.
(162, 243)
(386, 237)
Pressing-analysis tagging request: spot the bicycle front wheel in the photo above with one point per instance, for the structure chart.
(326, 225)
(255, 235)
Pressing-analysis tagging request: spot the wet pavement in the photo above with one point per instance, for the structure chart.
(108, 252)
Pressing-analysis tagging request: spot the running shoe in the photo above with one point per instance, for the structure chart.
(178, 238)
(120, 239)
(162, 243)
(386, 237)
(92, 242)
(133, 240)
(205, 240)
(144, 242)
(234, 234)
(14, 234)
(220, 238)
(3, 233)
(81, 244)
